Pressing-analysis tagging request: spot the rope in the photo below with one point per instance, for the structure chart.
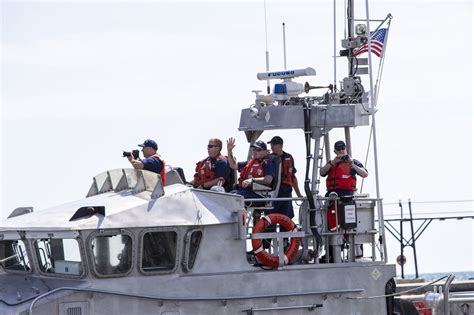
(434, 201)
(394, 294)
(377, 85)
(367, 156)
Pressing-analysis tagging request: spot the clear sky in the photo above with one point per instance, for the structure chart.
(83, 80)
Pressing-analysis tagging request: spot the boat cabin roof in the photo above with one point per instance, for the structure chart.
(127, 207)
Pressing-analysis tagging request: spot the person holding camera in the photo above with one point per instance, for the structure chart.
(152, 161)
(341, 172)
(214, 169)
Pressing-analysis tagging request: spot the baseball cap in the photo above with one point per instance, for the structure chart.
(339, 145)
(259, 144)
(276, 140)
(149, 143)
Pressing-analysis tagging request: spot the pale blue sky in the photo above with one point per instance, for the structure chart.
(83, 80)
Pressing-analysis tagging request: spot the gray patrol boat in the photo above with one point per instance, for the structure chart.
(136, 246)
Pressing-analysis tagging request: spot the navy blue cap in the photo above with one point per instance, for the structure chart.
(149, 143)
(339, 145)
(276, 140)
(259, 144)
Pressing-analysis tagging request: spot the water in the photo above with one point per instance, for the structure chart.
(459, 275)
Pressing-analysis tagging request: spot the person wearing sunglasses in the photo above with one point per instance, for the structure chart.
(259, 169)
(341, 172)
(214, 169)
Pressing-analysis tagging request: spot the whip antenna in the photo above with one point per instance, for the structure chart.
(267, 55)
(284, 45)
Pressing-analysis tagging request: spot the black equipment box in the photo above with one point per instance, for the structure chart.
(347, 212)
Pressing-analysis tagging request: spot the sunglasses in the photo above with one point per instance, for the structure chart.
(210, 146)
(340, 149)
(257, 149)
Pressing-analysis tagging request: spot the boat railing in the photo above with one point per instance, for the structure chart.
(348, 241)
(439, 298)
(221, 299)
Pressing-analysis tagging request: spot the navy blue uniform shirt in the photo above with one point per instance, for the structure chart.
(221, 168)
(152, 164)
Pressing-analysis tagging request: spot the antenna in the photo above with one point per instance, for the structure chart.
(334, 41)
(284, 46)
(267, 55)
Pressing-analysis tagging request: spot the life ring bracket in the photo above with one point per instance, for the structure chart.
(258, 234)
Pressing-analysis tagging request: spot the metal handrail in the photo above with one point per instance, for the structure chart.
(434, 299)
(30, 310)
(302, 199)
(310, 307)
(397, 293)
(278, 236)
(275, 199)
(447, 285)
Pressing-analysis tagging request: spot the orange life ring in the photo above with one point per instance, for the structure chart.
(265, 257)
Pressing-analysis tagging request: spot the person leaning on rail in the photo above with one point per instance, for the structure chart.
(214, 169)
(341, 177)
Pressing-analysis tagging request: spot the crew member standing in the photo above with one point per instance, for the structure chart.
(288, 180)
(341, 172)
(213, 170)
(152, 161)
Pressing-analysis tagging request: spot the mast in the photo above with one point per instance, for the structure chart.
(345, 107)
(350, 34)
(373, 106)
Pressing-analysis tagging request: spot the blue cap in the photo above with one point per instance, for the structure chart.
(149, 143)
(259, 144)
(276, 140)
(339, 145)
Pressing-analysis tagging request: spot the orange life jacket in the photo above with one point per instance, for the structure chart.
(287, 169)
(253, 168)
(340, 177)
(163, 169)
(204, 170)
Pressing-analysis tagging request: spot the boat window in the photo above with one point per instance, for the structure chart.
(159, 251)
(112, 254)
(13, 255)
(193, 240)
(59, 256)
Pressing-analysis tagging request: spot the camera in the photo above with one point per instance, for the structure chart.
(345, 158)
(134, 153)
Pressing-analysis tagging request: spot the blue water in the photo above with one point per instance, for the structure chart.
(459, 275)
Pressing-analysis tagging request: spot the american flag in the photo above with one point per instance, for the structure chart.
(377, 40)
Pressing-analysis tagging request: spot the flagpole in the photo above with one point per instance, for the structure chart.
(382, 59)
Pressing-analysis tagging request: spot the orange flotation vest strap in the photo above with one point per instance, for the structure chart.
(204, 172)
(253, 169)
(287, 169)
(163, 168)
